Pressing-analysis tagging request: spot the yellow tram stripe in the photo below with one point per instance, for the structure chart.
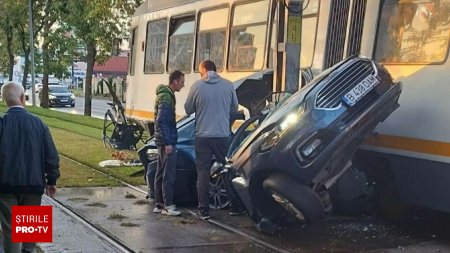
(410, 144)
(139, 114)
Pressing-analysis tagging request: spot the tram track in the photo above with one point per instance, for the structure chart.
(114, 242)
(97, 230)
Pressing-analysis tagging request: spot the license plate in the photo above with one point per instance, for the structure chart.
(360, 90)
(64, 100)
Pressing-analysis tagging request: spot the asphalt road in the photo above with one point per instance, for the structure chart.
(98, 109)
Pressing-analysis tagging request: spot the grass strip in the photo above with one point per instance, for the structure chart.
(72, 127)
(82, 143)
(90, 151)
(76, 175)
(67, 117)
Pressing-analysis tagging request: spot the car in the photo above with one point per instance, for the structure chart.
(287, 165)
(260, 168)
(59, 95)
(185, 183)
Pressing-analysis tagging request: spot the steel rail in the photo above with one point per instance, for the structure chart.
(247, 236)
(111, 240)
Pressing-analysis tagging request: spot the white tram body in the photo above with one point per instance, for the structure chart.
(409, 37)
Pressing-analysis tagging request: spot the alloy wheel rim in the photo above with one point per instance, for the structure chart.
(288, 206)
(218, 198)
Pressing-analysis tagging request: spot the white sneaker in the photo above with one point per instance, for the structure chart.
(157, 210)
(171, 211)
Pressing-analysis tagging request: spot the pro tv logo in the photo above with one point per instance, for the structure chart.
(31, 224)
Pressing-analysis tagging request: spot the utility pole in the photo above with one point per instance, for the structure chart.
(289, 35)
(30, 26)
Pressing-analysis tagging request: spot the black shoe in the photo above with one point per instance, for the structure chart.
(203, 214)
(237, 212)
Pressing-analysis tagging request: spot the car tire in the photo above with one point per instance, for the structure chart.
(218, 198)
(298, 200)
(72, 105)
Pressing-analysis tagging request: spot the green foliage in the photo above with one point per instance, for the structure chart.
(100, 22)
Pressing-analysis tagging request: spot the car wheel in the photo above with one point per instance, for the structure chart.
(218, 198)
(72, 105)
(298, 200)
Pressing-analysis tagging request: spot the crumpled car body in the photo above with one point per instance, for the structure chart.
(289, 163)
(250, 91)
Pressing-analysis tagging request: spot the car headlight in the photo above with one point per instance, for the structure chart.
(275, 134)
(72, 96)
(51, 96)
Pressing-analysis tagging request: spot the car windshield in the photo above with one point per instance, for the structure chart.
(60, 89)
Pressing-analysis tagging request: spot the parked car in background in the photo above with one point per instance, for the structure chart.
(59, 95)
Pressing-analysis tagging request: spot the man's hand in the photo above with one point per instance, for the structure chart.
(51, 190)
(168, 149)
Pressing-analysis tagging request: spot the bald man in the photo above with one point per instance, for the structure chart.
(29, 162)
(213, 100)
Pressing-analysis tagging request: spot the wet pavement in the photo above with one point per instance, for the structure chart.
(71, 236)
(129, 217)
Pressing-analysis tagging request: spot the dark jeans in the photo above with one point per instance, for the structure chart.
(204, 149)
(165, 176)
(7, 200)
(150, 173)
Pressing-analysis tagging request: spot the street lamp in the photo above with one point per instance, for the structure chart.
(33, 88)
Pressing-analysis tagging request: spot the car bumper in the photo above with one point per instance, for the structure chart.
(62, 101)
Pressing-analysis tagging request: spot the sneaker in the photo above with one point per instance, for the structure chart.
(237, 212)
(203, 214)
(171, 211)
(158, 209)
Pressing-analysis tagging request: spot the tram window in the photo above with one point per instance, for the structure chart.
(248, 36)
(211, 37)
(132, 60)
(413, 32)
(155, 48)
(181, 44)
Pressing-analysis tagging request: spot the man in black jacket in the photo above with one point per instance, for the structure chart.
(29, 162)
(166, 138)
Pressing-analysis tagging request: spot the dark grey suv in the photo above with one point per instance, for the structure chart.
(290, 161)
(59, 95)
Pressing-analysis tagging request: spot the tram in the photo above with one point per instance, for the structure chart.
(409, 153)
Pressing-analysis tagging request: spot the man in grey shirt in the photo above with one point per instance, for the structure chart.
(212, 99)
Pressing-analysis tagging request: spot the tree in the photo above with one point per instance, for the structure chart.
(22, 27)
(97, 24)
(56, 45)
(8, 12)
